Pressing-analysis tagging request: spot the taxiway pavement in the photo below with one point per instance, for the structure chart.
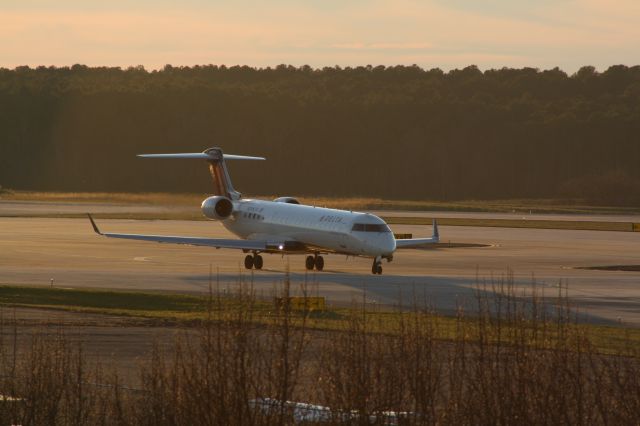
(35, 250)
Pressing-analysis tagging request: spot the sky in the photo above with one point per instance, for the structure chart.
(444, 34)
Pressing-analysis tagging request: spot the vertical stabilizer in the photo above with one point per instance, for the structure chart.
(221, 180)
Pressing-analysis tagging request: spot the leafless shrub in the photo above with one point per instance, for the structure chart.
(48, 382)
(211, 377)
(522, 357)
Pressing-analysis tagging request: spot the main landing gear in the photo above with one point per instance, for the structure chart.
(253, 261)
(376, 268)
(314, 261)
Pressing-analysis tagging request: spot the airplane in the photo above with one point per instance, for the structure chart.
(283, 226)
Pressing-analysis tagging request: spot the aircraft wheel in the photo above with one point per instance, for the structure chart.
(310, 262)
(248, 261)
(376, 268)
(257, 261)
(319, 261)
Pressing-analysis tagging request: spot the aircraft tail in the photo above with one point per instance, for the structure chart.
(221, 180)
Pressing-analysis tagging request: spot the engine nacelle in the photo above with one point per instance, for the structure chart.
(289, 200)
(217, 208)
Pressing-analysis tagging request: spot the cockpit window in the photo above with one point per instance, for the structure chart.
(370, 227)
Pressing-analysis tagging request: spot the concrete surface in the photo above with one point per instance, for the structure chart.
(35, 250)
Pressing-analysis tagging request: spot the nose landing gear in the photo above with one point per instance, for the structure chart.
(376, 268)
(314, 261)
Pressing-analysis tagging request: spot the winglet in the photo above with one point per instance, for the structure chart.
(436, 234)
(95, 227)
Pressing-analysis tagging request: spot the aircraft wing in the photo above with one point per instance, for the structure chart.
(194, 241)
(415, 242)
(420, 242)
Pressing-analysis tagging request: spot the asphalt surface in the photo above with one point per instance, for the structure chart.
(33, 251)
(516, 216)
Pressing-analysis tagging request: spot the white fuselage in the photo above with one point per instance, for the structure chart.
(328, 230)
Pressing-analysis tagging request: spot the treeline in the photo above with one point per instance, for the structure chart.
(394, 132)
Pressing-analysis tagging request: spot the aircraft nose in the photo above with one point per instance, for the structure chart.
(388, 244)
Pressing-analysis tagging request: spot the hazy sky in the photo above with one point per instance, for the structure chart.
(431, 33)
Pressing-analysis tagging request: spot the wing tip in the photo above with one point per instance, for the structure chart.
(436, 233)
(93, 224)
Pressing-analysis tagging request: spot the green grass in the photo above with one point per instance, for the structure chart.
(625, 268)
(149, 305)
(100, 299)
(183, 309)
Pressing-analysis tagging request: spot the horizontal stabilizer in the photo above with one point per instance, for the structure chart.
(217, 167)
(200, 155)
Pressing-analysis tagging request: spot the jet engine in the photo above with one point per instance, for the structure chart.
(217, 208)
(289, 200)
